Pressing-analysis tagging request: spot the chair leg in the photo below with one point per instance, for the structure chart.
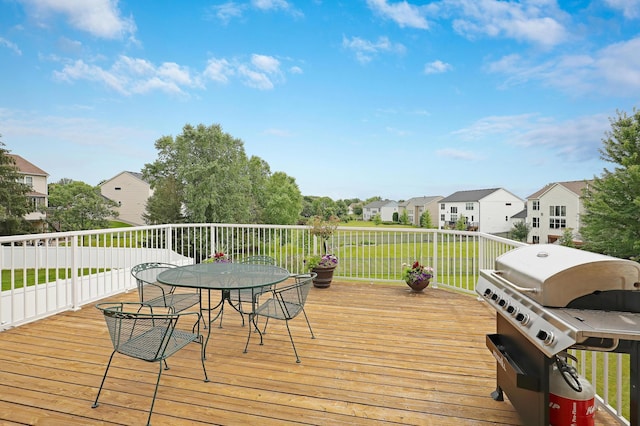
(95, 403)
(308, 323)
(292, 344)
(252, 323)
(155, 392)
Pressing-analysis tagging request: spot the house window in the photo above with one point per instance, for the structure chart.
(442, 207)
(557, 210)
(536, 239)
(536, 205)
(536, 222)
(442, 217)
(454, 218)
(454, 210)
(469, 206)
(557, 223)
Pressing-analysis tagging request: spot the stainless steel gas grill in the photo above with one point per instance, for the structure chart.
(552, 298)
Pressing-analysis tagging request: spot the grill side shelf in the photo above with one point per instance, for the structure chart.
(513, 371)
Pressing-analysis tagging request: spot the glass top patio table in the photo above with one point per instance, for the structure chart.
(222, 276)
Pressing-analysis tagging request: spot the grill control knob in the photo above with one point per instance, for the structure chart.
(522, 318)
(546, 337)
(502, 302)
(487, 292)
(494, 296)
(512, 310)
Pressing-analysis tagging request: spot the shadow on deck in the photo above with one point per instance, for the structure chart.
(382, 355)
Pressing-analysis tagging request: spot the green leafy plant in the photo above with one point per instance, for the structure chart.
(416, 272)
(324, 261)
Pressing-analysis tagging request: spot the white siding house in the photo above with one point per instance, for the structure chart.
(553, 209)
(485, 210)
(384, 208)
(131, 192)
(36, 178)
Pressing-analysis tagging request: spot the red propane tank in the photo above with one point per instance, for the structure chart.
(571, 397)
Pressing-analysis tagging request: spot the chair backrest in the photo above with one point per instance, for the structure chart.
(138, 332)
(292, 298)
(146, 275)
(259, 260)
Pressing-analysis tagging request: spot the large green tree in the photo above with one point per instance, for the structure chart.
(611, 223)
(75, 205)
(283, 200)
(211, 170)
(165, 206)
(14, 200)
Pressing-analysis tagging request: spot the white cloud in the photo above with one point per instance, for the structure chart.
(577, 139)
(133, 75)
(613, 70)
(10, 45)
(219, 70)
(268, 5)
(437, 67)
(295, 70)
(402, 13)
(226, 11)
(255, 79)
(100, 18)
(366, 50)
(268, 64)
(536, 21)
(629, 8)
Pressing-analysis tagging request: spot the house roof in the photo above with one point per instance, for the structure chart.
(137, 175)
(575, 186)
(522, 214)
(421, 201)
(26, 167)
(378, 204)
(472, 195)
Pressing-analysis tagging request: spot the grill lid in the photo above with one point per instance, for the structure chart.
(555, 275)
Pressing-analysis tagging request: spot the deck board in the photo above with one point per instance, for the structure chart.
(382, 355)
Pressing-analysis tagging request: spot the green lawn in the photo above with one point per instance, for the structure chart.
(43, 276)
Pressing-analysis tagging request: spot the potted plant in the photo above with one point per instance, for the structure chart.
(325, 264)
(417, 276)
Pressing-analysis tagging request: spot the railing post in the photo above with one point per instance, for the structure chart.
(169, 241)
(435, 259)
(75, 279)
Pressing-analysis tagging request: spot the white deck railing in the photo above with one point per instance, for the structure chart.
(64, 271)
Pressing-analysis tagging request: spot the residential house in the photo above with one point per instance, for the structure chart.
(36, 178)
(554, 209)
(385, 209)
(485, 210)
(416, 206)
(131, 192)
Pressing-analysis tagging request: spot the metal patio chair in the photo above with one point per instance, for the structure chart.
(285, 304)
(242, 300)
(154, 294)
(138, 332)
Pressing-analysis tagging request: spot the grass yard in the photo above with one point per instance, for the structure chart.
(42, 276)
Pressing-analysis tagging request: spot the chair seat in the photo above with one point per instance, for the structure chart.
(145, 346)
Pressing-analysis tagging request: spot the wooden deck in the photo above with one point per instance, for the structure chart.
(382, 355)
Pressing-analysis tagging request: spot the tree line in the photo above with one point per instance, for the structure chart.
(203, 175)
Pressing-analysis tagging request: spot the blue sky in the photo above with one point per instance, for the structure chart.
(396, 98)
